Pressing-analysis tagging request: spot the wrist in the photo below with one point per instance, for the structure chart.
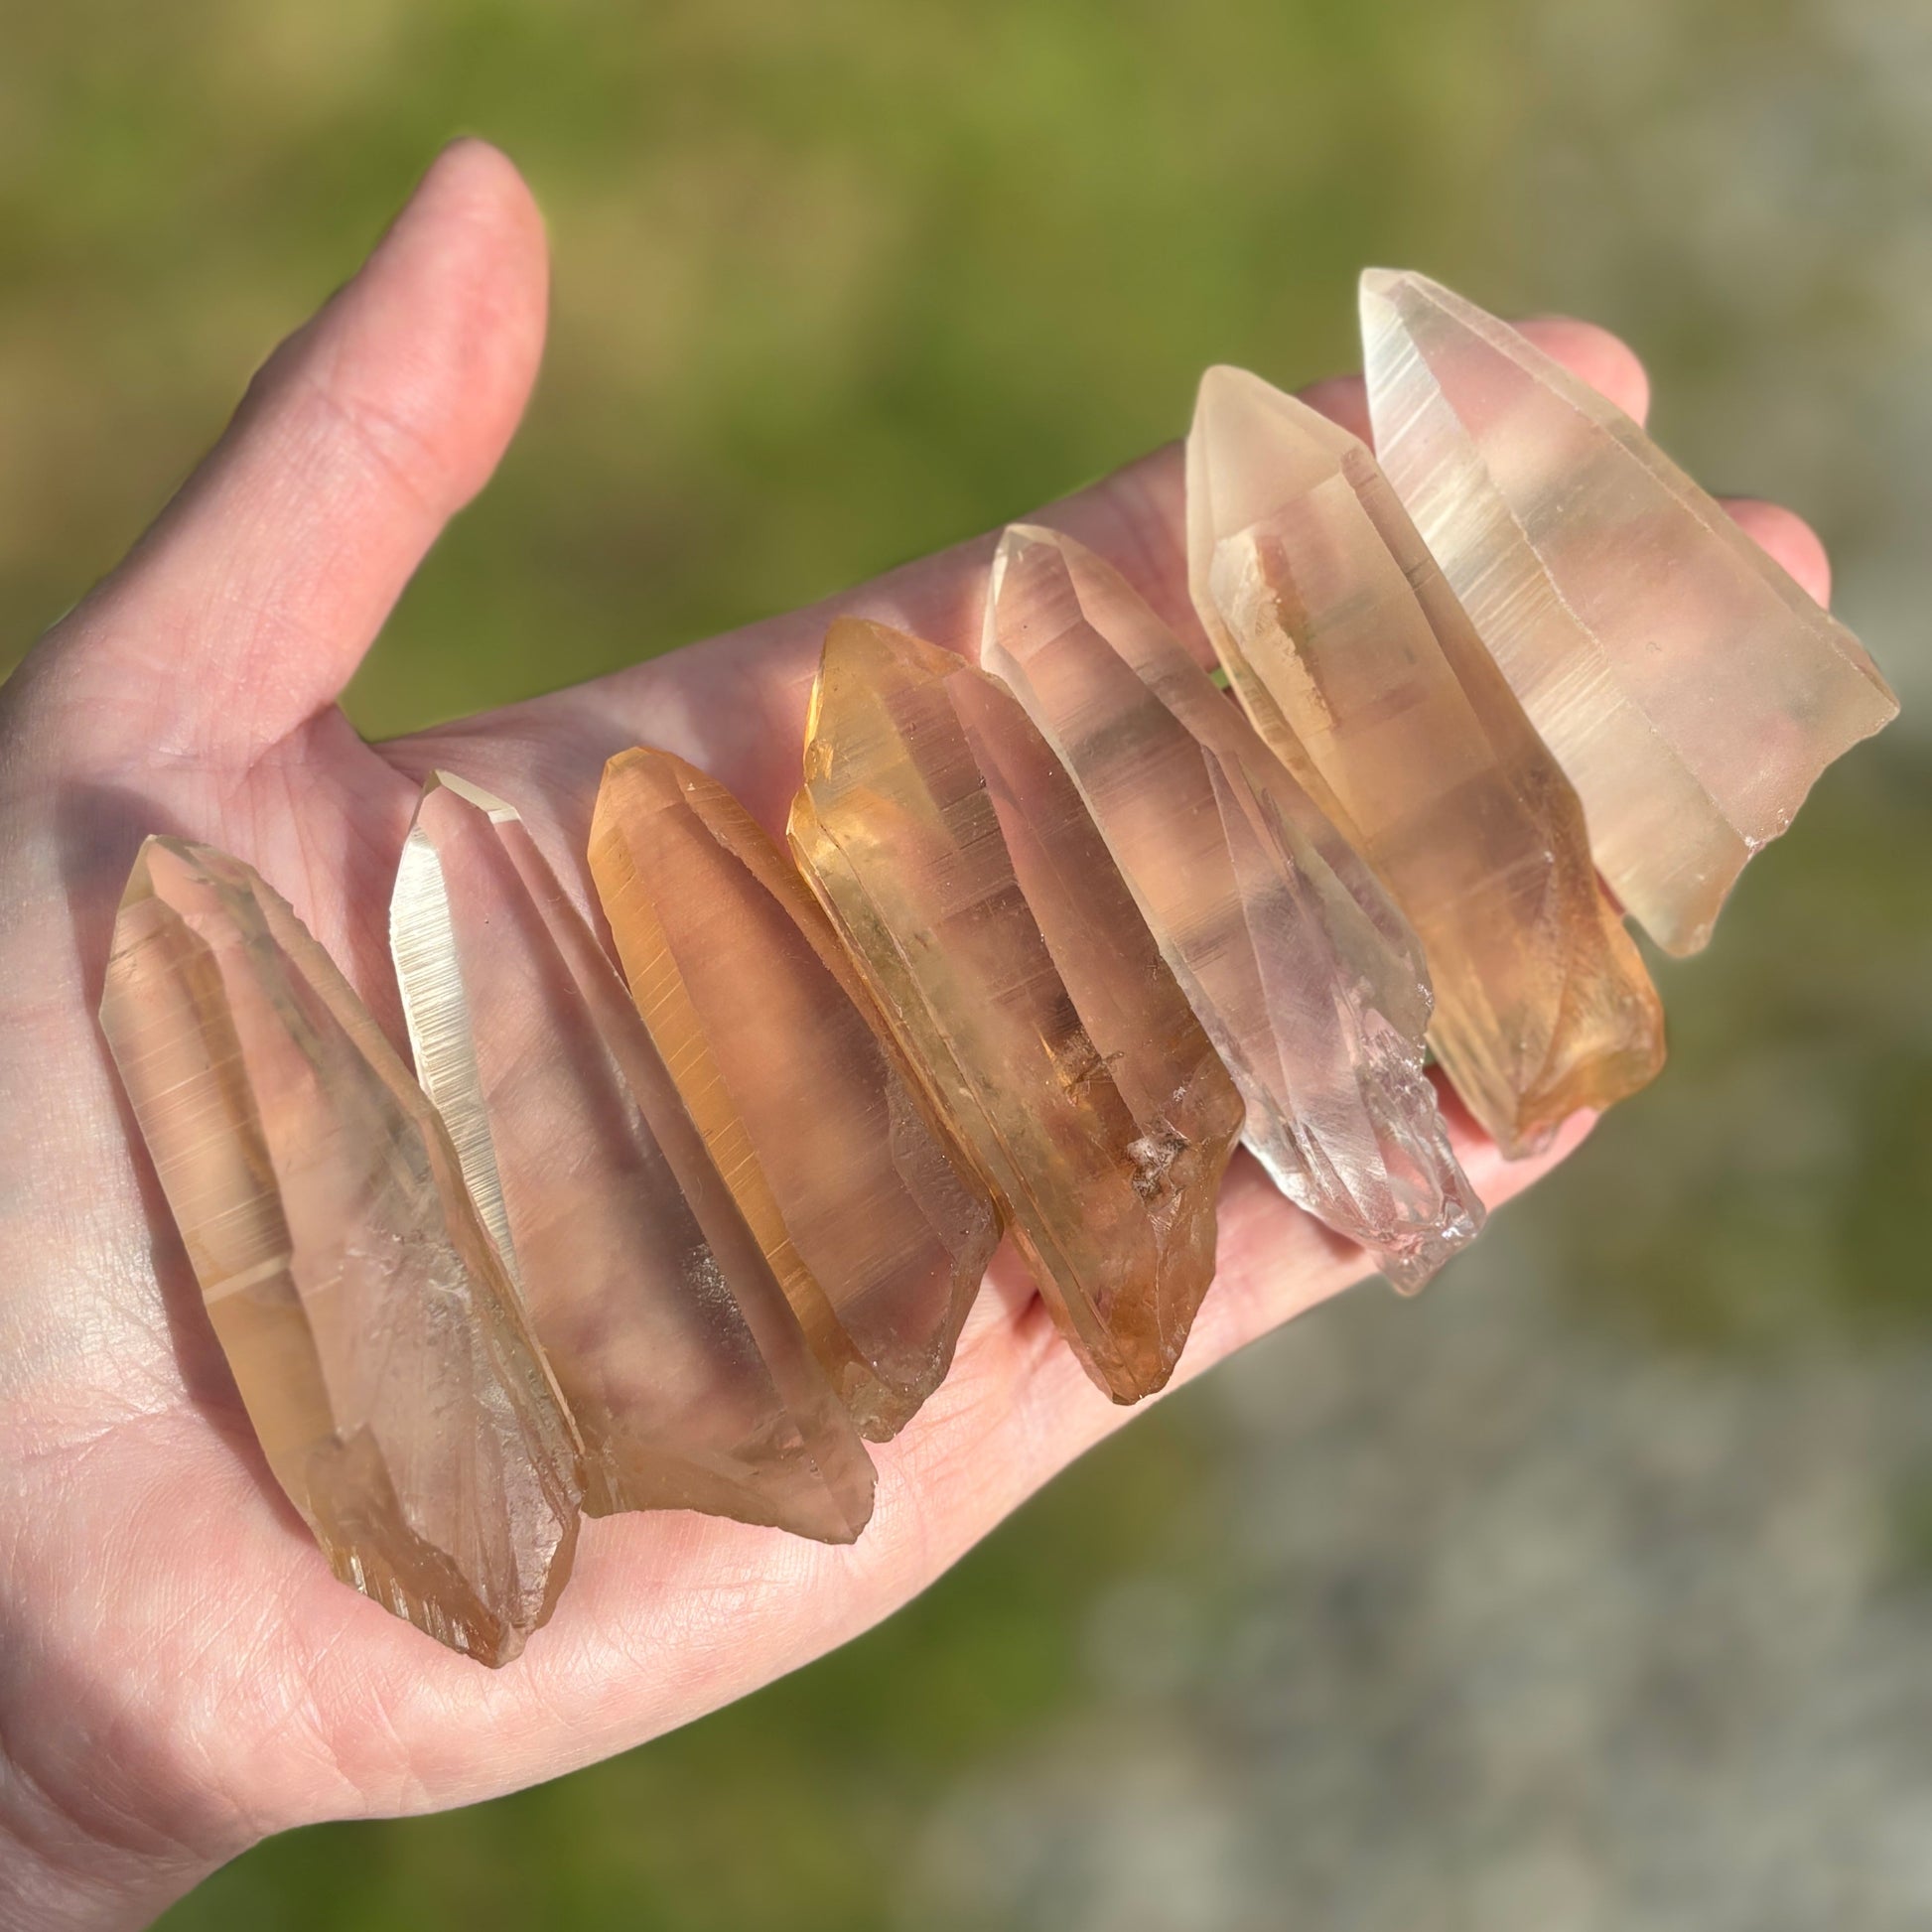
(59, 1873)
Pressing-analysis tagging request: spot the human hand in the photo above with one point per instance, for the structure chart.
(180, 1674)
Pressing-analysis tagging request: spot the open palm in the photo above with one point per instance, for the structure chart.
(179, 1672)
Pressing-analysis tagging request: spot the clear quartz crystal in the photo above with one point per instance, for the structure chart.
(690, 1378)
(1689, 688)
(1352, 656)
(1307, 981)
(954, 855)
(377, 1344)
(873, 1220)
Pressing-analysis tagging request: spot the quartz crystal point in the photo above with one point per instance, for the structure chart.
(1689, 688)
(691, 1381)
(954, 855)
(1358, 667)
(871, 1219)
(1306, 980)
(378, 1346)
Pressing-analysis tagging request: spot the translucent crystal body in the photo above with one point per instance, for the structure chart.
(954, 854)
(1306, 980)
(1361, 670)
(875, 1223)
(1690, 691)
(691, 1380)
(374, 1334)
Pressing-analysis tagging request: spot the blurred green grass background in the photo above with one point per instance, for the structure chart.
(839, 284)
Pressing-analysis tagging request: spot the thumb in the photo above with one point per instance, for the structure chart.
(248, 604)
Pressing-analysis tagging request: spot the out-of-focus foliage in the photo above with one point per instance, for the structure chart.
(1595, 1589)
(834, 284)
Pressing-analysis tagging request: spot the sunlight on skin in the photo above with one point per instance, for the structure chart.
(179, 1673)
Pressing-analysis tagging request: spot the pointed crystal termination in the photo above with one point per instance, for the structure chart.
(873, 1220)
(1306, 980)
(1690, 691)
(955, 857)
(691, 1381)
(378, 1344)
(1360, 669)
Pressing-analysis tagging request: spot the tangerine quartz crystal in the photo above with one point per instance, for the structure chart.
(1307, 981)
(1360, 669)
(377, 1343)
(1692, 692)
(690, 1378)
(955, 857)
(874, 1221)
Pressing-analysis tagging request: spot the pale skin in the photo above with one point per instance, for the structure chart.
(180, 1675)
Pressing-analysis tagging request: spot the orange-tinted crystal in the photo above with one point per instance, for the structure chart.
(690, 1378)
(873, 1220)
(957, 860)
(1365, 675)
(380, 1349)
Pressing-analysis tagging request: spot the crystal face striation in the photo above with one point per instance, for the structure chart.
(376, 1340)
(689, 1376)
(1307, 981)
(1357, 666)
(954, 855)
(873, 1223)
(1689, 688)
